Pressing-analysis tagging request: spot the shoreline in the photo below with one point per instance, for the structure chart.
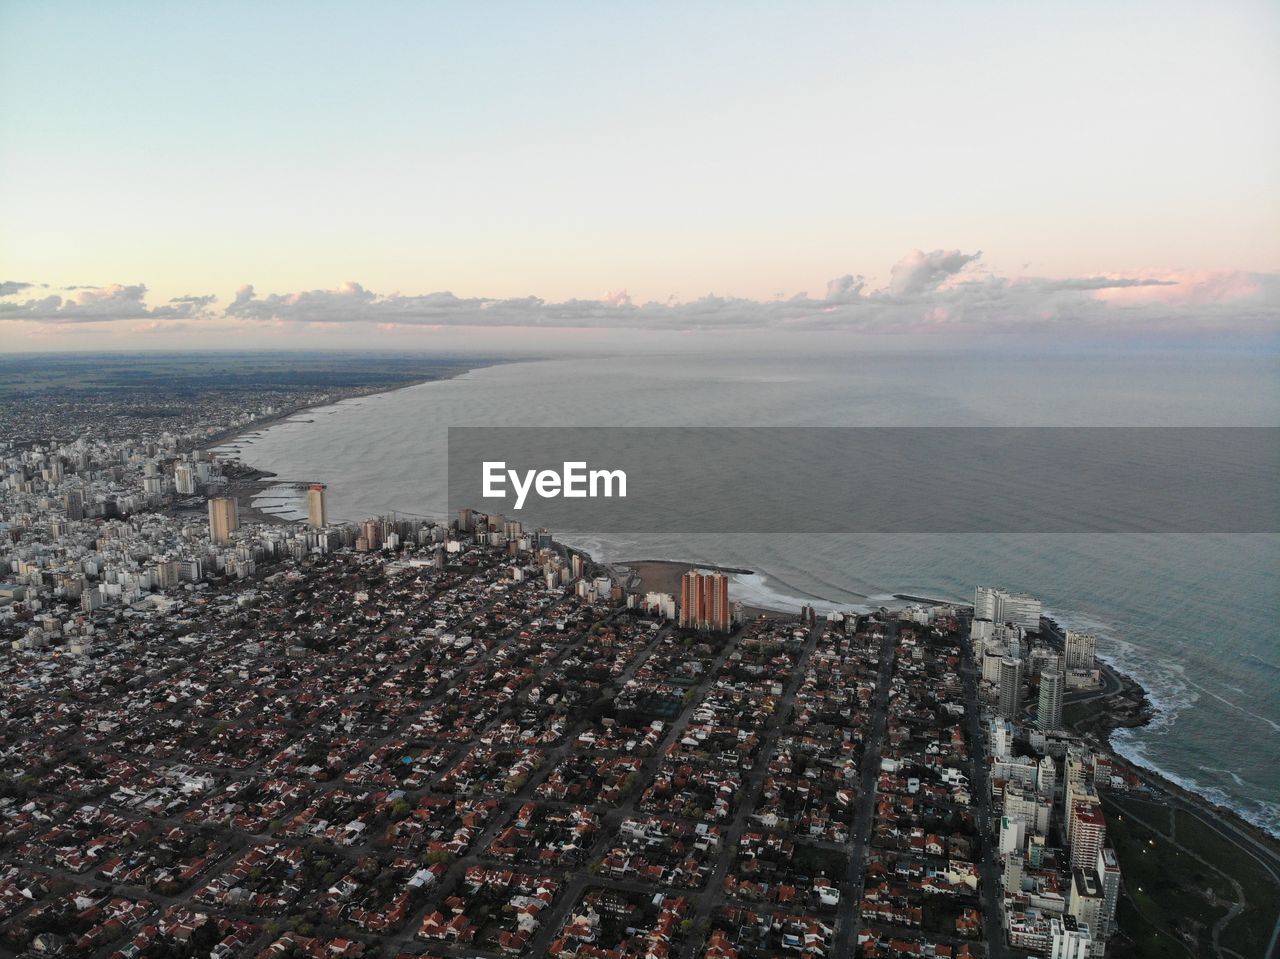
(249, 482)
(1122, 704)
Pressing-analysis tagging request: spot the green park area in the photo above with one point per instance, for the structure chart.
(1187, 889)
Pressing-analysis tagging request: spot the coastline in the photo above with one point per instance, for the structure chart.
(249, 483)
(663, 576)
(1121, 703)
(1130, 707)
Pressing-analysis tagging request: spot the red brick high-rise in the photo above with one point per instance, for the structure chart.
(704, 601)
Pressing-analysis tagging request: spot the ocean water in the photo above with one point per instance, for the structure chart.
(1192, 617)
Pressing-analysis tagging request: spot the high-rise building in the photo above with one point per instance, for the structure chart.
(370, 534)
(1109, 873)
(1010, 688)
(1086, 903)
(224, 519)
(704, 601)
(1022, 803)
(73, 504)
(184, 479)
(1049, 710)
(1013, 836)
(1068, 939)
(1088, 834)
(1081, 650)
(1001, 606)
(1077, 782)
(1046, 777)
(316, 515)
(984, 603)
(1019, 609)
(1013, 867)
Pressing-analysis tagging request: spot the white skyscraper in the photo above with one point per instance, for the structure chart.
(1068, 939)
(1001, 606)
(1081, 650)
(184, 479)
(1019, 609)
(1049, 711)
(984, 603)
(1109, 874)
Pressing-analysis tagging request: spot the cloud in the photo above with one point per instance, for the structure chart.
(195, 302)
(845, 289)
(926, 291)
(10, 287)
(919, 272)
(936, 291)
(105, 304)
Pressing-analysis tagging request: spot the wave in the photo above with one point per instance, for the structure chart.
(1260, 812)
(1236, 706)
(1166, 685)
(1234, 776)
(1254, 658)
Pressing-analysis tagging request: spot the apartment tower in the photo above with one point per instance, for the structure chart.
(316, 516)
(224, 519)
(704, 601)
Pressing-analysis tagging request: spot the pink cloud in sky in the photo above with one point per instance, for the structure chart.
(1182, 287)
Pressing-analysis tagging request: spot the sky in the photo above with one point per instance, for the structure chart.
(400, 174)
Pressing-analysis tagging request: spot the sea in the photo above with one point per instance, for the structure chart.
(1194, 618)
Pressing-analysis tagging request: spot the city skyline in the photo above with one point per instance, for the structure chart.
(443, 172)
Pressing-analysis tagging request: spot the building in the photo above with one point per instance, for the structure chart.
(1010, 687)
(370, 537)
(1023, 804)
(73, 504)
(1109, 873)
(1019, 609)
(991, 665)
(1049, 711)
(316, 515)
(1068, 940)
(1013, 866)
(1001, 606)
(1013, 836)
(1081, 651)
(1087, 902)
(660, 604)
(224, 519)
(184, 479)
(1046, 777)
(1077, 783)
(1088, 834)
(984, 603)
(704, 601)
